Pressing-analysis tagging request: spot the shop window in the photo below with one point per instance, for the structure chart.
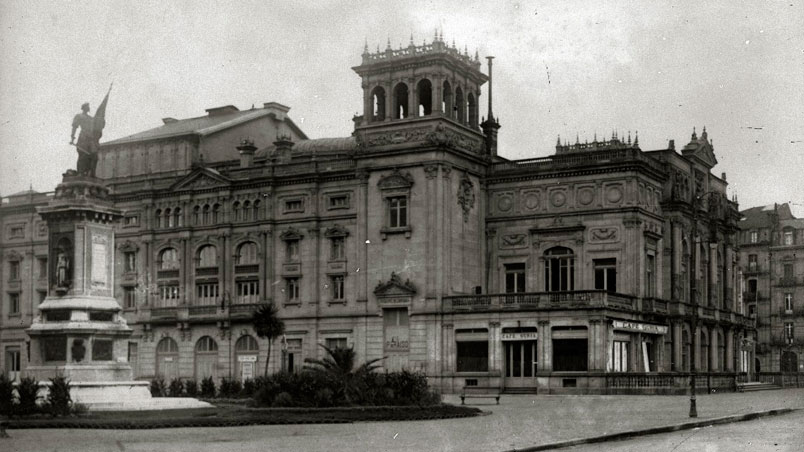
(514, 277)
(570, 355)
(559, 270)
(472, 356)
(606, 274)
(620, 356)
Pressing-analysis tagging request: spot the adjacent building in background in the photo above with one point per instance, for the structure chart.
(411, 239)
(772, 265)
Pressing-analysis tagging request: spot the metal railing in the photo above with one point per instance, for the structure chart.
(538, 300)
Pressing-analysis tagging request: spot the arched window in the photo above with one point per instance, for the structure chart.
(196, 215)
(460, 106)
(206, 358)
(206, 217)
(446, 103)
(158, 218)
(207, 256)
(216, 214)
(236, 212)
(378, 104)
(247, 253)
(424, 96)
(168, 259)
(178, 219)
(559, 269)
(256, 209)
(703, 346)
(247, 210)
(472, 102)
(401, 101)
(168, 218)
(247, 343)
(167, 359)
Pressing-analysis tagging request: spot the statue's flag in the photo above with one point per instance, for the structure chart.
(99, 121)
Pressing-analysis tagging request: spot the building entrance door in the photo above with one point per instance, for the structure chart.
(520, 364)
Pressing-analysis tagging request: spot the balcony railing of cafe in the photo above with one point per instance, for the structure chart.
(577, 299)
(203, 312)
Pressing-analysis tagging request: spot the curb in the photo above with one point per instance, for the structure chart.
(657, 430)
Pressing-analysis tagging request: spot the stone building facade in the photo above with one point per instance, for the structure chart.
(412, 239)
(772, 264)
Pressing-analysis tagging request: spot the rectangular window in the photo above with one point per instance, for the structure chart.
(335, 342)
(13, 366)
(292, 287)
(338, 248)
(788, 330)
(650, 275)
(248, 291)
(398, 211)
(130, 262)
(337, 287)
(472, 356)
(339, 202)
(788, 237)
(131, 220)
(620, 356)
(752, 310)
(292, 250)
(129, 297)
(206, 294)
(752, 286)
(788, 302)
(168, 295)
(754, 237)
(570, 355)
(752, 262)
(13, 270)
(13, 304)
(16, 232)
(606, 274)
(788, 271)
(41, 264)
(294, 205)
(514, 278)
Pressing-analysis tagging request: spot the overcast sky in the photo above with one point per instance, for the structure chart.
(561, 67)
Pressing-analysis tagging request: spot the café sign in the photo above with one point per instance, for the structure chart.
(531, 335)
(637, 327)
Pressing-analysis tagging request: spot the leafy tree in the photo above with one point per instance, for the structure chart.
(339, 367)
(268, 325)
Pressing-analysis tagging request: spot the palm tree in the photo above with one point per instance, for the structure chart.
(339, 367)
(268, 325)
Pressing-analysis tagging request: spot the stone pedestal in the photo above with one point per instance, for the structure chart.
(80, 332)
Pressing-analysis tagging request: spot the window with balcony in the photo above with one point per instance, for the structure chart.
(129, 298)
(650, 274)
(248, 291)
(337, 288)
(292, 290)
(753, 236)
(13, 270)
(788, 302)
(752, 262)
(788, 331)
(559, 269)
(606, 274)
(787, 237)
(206, 293)
(130, 262)
(168, 295)
(515, 277)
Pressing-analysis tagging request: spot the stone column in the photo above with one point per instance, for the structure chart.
(389, 101)
(438, 95)
(368, 104)
(729, 298)
(448, 338)
(413, 105)
(431, 202)
(361, 206)
(730, 350)
(634, 252)
(714, 366)
(149, 272)
(597, 349)
(492, 279)
(712, 280)
(678, 344)
(495, 347)
(187, 270)
(545, 346)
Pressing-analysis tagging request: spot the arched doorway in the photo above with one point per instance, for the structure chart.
(247, 350)
(789, 362)
(167, 359)
(206, 358)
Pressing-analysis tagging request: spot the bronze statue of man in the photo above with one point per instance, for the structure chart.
(89, 139)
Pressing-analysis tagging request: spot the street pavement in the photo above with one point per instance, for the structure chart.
(783, 433)
(519, 421)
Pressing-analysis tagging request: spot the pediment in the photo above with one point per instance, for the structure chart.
(201, 178)
(395, 287)
(395, 180)
(291, 234)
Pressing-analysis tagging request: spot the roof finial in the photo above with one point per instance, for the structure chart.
(476, 55)
(453, 43)
(365, 46)
(636, 139)
(435, 38)
(694, 134)
(594, 140)
(411, 39)
(577, 139)
(629, 137)
(558, 141)
(388, 45)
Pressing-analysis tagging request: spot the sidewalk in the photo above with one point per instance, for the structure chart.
(520, 421)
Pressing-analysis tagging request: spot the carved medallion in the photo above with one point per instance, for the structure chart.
(505, 202)
(531, 200)
(586, 195)
(558, 198)
(614, 194)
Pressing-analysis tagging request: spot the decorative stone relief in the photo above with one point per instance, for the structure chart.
(608, 234)
(443, 136)
(514, 241)
(505, 201)
(614, 194)
(466, 196)
(431, 171)
(396, 179)
(398, 137)
(531, 199)
(586, 195)
(558, 197)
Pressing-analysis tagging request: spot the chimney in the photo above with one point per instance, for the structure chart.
(283, 145)
(278, 110)
(169, 120)
(246, 150)
(219, 111)
(671, 145)
(723, 176)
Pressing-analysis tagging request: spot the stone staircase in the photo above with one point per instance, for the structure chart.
(756, 386)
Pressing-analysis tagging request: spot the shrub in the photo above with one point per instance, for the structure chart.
(27, 390)
(208, 387)
(409, 388)
(230, 388)
(158, 387)
(58, 397)
(176, 388)
(324, 397)
(266, 393)
(6, 395)
(79, 409)
(191, 388)
(249, 388)
(283, 399)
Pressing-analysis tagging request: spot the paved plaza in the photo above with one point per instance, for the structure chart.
(519, 421)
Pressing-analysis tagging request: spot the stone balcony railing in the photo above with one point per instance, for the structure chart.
(577, 299)
(201, 313)
(790, 281)
(575, 159)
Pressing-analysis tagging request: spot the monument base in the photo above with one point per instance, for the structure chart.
(122, 396)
